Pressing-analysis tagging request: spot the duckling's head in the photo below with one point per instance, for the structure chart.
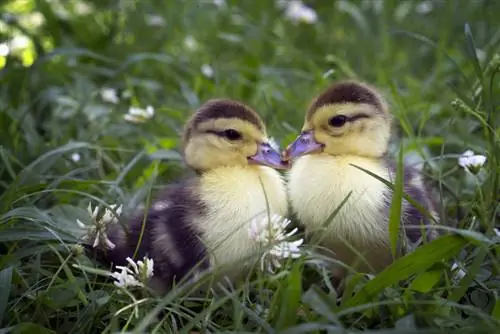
(227, 133)
(349, 118)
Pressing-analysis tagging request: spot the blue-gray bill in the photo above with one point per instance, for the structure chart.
(267, 156)
(302, 145)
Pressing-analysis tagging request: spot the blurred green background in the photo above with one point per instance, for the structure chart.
(71, 70)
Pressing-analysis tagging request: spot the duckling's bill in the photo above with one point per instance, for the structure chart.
(303, 144)
(267, 156)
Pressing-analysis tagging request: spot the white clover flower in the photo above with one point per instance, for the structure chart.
(296, 11)
(35, 19)
(139, 275)
(471, 162)
(155, 21)
(97, 230)
(124, 279)
(219, 3)
(4, 50)
(265, 232)
(190, 43)
(19, 42)
(207, 70)
(83, 8)
(459, 273)
(287, 249)
(126, 94)
(109, 95)
(424, 7)
(75, 157)
(139, 115)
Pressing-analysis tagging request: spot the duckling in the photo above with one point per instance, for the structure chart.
(203, 221)
(350, 124)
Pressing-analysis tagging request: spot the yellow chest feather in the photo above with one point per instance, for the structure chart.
(234, 196)
(319, 183)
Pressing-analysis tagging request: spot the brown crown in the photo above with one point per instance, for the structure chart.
(221, 108)
(346, 92)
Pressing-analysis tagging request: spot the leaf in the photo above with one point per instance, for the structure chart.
(290, 298)
(426, 281)
(29, 327)
(470, 275)
(321, 303)
(425, 40)
(395, 209)
(420, 260)
(496, 310)
(356, 14)
(43, 163)
(471, 47)
(5, 285)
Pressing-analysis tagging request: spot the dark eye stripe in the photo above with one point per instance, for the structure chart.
(358, 116)
(222, 134)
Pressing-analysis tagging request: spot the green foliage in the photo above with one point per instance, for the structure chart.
(63, 145)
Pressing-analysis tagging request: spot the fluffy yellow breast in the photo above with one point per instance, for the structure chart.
(317, 186)
(234, 196)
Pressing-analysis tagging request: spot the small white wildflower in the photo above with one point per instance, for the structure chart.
(296, 11)
(35, 19)
(287, 249)
(4, 50)
(97, 230)
(19, 42)
(109, 95)
(471, 162)
(124, 279)
(139, 115)
(146, 268)
(459, 272)
(139, 275)
(265, 231)
(126, 94)
(83, 8)
(424, 7)
(75, 157)
(219, 3)
(155, 21)
(207, 70)
(190, 43)
(497, 231)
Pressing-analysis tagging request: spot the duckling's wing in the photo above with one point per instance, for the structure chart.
(165, 233)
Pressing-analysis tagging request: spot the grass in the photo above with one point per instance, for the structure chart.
(437, 66)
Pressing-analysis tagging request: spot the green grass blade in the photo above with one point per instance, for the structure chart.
(395, 209)
(5, 284)
(290, 298)
(418, 261)
(471, 47)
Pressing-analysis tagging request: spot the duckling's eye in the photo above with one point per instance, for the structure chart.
(337, 121)
(231, 134)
